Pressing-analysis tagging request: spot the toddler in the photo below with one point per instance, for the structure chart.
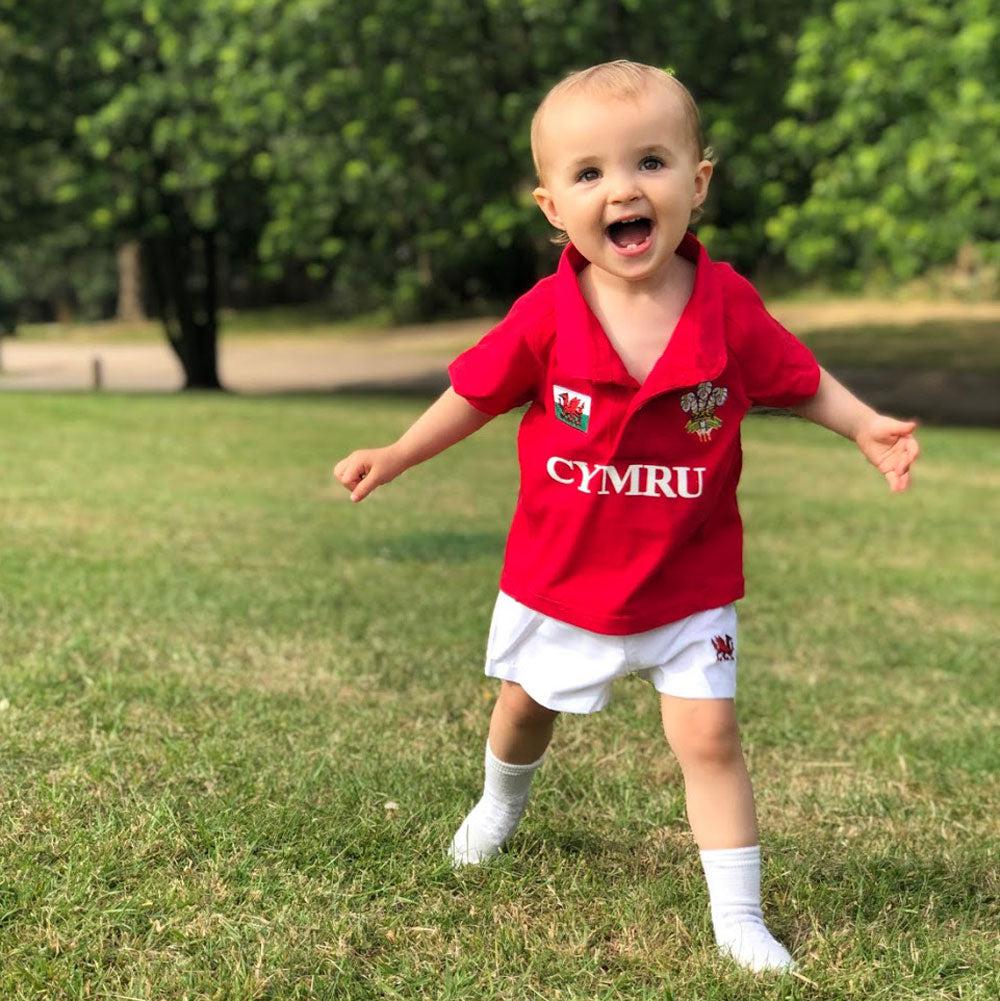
(638, 358)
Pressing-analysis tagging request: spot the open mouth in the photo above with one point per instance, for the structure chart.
(631, 236)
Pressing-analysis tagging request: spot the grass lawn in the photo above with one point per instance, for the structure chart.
(241, 719)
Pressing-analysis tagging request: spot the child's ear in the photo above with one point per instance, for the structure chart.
(548, 206)
(702, 177)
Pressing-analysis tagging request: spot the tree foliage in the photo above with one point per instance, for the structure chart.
(169, 142)
(379, 145)
(894, 115)
(405, 167)
(47, 249)
(124, 117)
(380, 148)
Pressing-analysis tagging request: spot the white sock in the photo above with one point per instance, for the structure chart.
(733, 876)
(495, 817)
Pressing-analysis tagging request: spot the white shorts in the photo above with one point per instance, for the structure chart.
(569, 669)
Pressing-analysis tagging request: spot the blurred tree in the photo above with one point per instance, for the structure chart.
(405, 167)
(895, 111)
(120, 118)
(62, 275)
(129, 261)
(379, 148)
(50, 261)
(168, 150)
(394, 174)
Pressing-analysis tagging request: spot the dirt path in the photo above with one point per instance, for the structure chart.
(260, 367)
(415, 358)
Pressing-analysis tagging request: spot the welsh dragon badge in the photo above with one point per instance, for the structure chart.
(701, 406)
(572, 408)
(725, 647)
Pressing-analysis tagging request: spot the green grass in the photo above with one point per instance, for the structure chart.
(217, 673)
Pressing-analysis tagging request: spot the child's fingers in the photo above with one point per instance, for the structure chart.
(343, 470)
(891, 461)
(899, 456)
(898, 478)
(891, 447)
(352, 470)
(898, 482)
(895, 463)
(906, 455)
(365, 486)
(361, 472)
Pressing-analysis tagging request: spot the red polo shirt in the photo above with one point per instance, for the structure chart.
(627, 518)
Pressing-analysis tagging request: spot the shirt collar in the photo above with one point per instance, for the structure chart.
(696, 350)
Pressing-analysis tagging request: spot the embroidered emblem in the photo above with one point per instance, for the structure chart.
(725, 647)
(572, 408)
(701, 406)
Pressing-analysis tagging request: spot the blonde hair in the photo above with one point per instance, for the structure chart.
(621, 78)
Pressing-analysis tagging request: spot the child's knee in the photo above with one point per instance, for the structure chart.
(706, 735)
(520, 709)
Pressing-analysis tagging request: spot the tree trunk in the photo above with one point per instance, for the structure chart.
(182, 267)
(129, 284)
(62, 306)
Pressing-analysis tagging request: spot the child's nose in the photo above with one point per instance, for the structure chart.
(622, 188)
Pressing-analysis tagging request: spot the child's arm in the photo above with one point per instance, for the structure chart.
(448, 420)
(888, 444)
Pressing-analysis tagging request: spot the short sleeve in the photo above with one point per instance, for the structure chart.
(503, 369)
(778, 370)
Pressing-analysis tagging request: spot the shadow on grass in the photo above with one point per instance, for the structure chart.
(876, 887)
(935, 345)
(568, 841)
(935, 396)
(427, 384)
(956, 398)
(442, 547)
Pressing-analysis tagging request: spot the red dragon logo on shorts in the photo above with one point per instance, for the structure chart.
(725, 647)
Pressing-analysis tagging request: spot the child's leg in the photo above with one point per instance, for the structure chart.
(704, 736)
(520, 730)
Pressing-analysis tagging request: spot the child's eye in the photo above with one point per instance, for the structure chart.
(584, 174)
(655, 160)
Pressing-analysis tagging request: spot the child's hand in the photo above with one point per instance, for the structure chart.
(890, 447)
(361, 472)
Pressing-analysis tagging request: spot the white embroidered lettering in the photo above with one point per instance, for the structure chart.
(658, 477)
(550, 468)
(588, 475)
(683, 487)
(618, 480)
(637, 480)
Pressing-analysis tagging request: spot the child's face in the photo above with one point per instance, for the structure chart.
(611, 159)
